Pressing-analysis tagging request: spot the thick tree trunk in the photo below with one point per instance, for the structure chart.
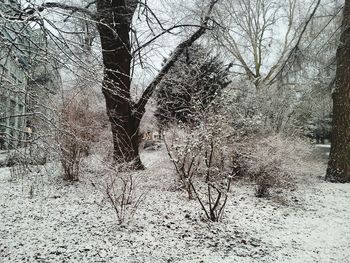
(339, 160)
(114, 27)
(115, 18)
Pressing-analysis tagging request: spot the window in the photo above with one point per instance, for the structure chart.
(2, 114)
(20, 118)
(2, 107)
(12, 112)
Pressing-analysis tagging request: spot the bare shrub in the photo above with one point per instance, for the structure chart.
(185, 153)
(71, 156)
(263, 182)
(216, 195)
(218, 173)
(18, 164)
(115, 181)
(79, 128)
(200, 158)
(274, 162)
(21, 162)
(120, 190)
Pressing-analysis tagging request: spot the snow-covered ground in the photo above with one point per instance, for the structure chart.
(43, 219)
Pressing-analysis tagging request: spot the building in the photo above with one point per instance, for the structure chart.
(26, 78)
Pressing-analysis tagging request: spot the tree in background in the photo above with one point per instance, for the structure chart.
(339, 159)
(276, 46)
(189, 88)
(316, 77)
(247, 34)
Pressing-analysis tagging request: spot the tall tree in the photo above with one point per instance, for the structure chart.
(339, 159)
(247, 33)
(114, 25)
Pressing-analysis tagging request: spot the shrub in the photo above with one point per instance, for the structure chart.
(120, 190)
(79, 128)
(274, 162)
(264, 180)
(21, 162)
(201, 162)
(18, 162)
(184, 152)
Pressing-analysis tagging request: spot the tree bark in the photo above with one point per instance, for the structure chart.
(115, 18)
(114, 25)
(339, 159)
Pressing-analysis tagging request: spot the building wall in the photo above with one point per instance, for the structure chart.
(12, 102)
(21, 90)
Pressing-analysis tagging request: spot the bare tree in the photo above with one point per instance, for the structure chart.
(114, 20)
(339, 161)
(260, 36)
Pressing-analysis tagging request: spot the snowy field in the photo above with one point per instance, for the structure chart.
(43, 219)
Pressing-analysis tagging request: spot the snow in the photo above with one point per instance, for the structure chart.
(2, 158)
(62, 222)
(328, 146)
(323, 148)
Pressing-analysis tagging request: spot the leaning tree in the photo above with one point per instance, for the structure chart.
(339, 158)
(114, 21)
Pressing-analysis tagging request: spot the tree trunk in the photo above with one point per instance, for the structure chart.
(339, 160)
(114, 27)
(114, 24)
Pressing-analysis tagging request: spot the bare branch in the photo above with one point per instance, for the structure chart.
(296, 46)
(140, 106)
(69, 8)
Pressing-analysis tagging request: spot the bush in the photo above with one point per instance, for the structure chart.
(184, 152)
(79, 128)
(18, 162)
(274, 162)
(120, 190)
(201, 162)
(265, 178)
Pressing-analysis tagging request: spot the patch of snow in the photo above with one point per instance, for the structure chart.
(323, 146)
(62, 222)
